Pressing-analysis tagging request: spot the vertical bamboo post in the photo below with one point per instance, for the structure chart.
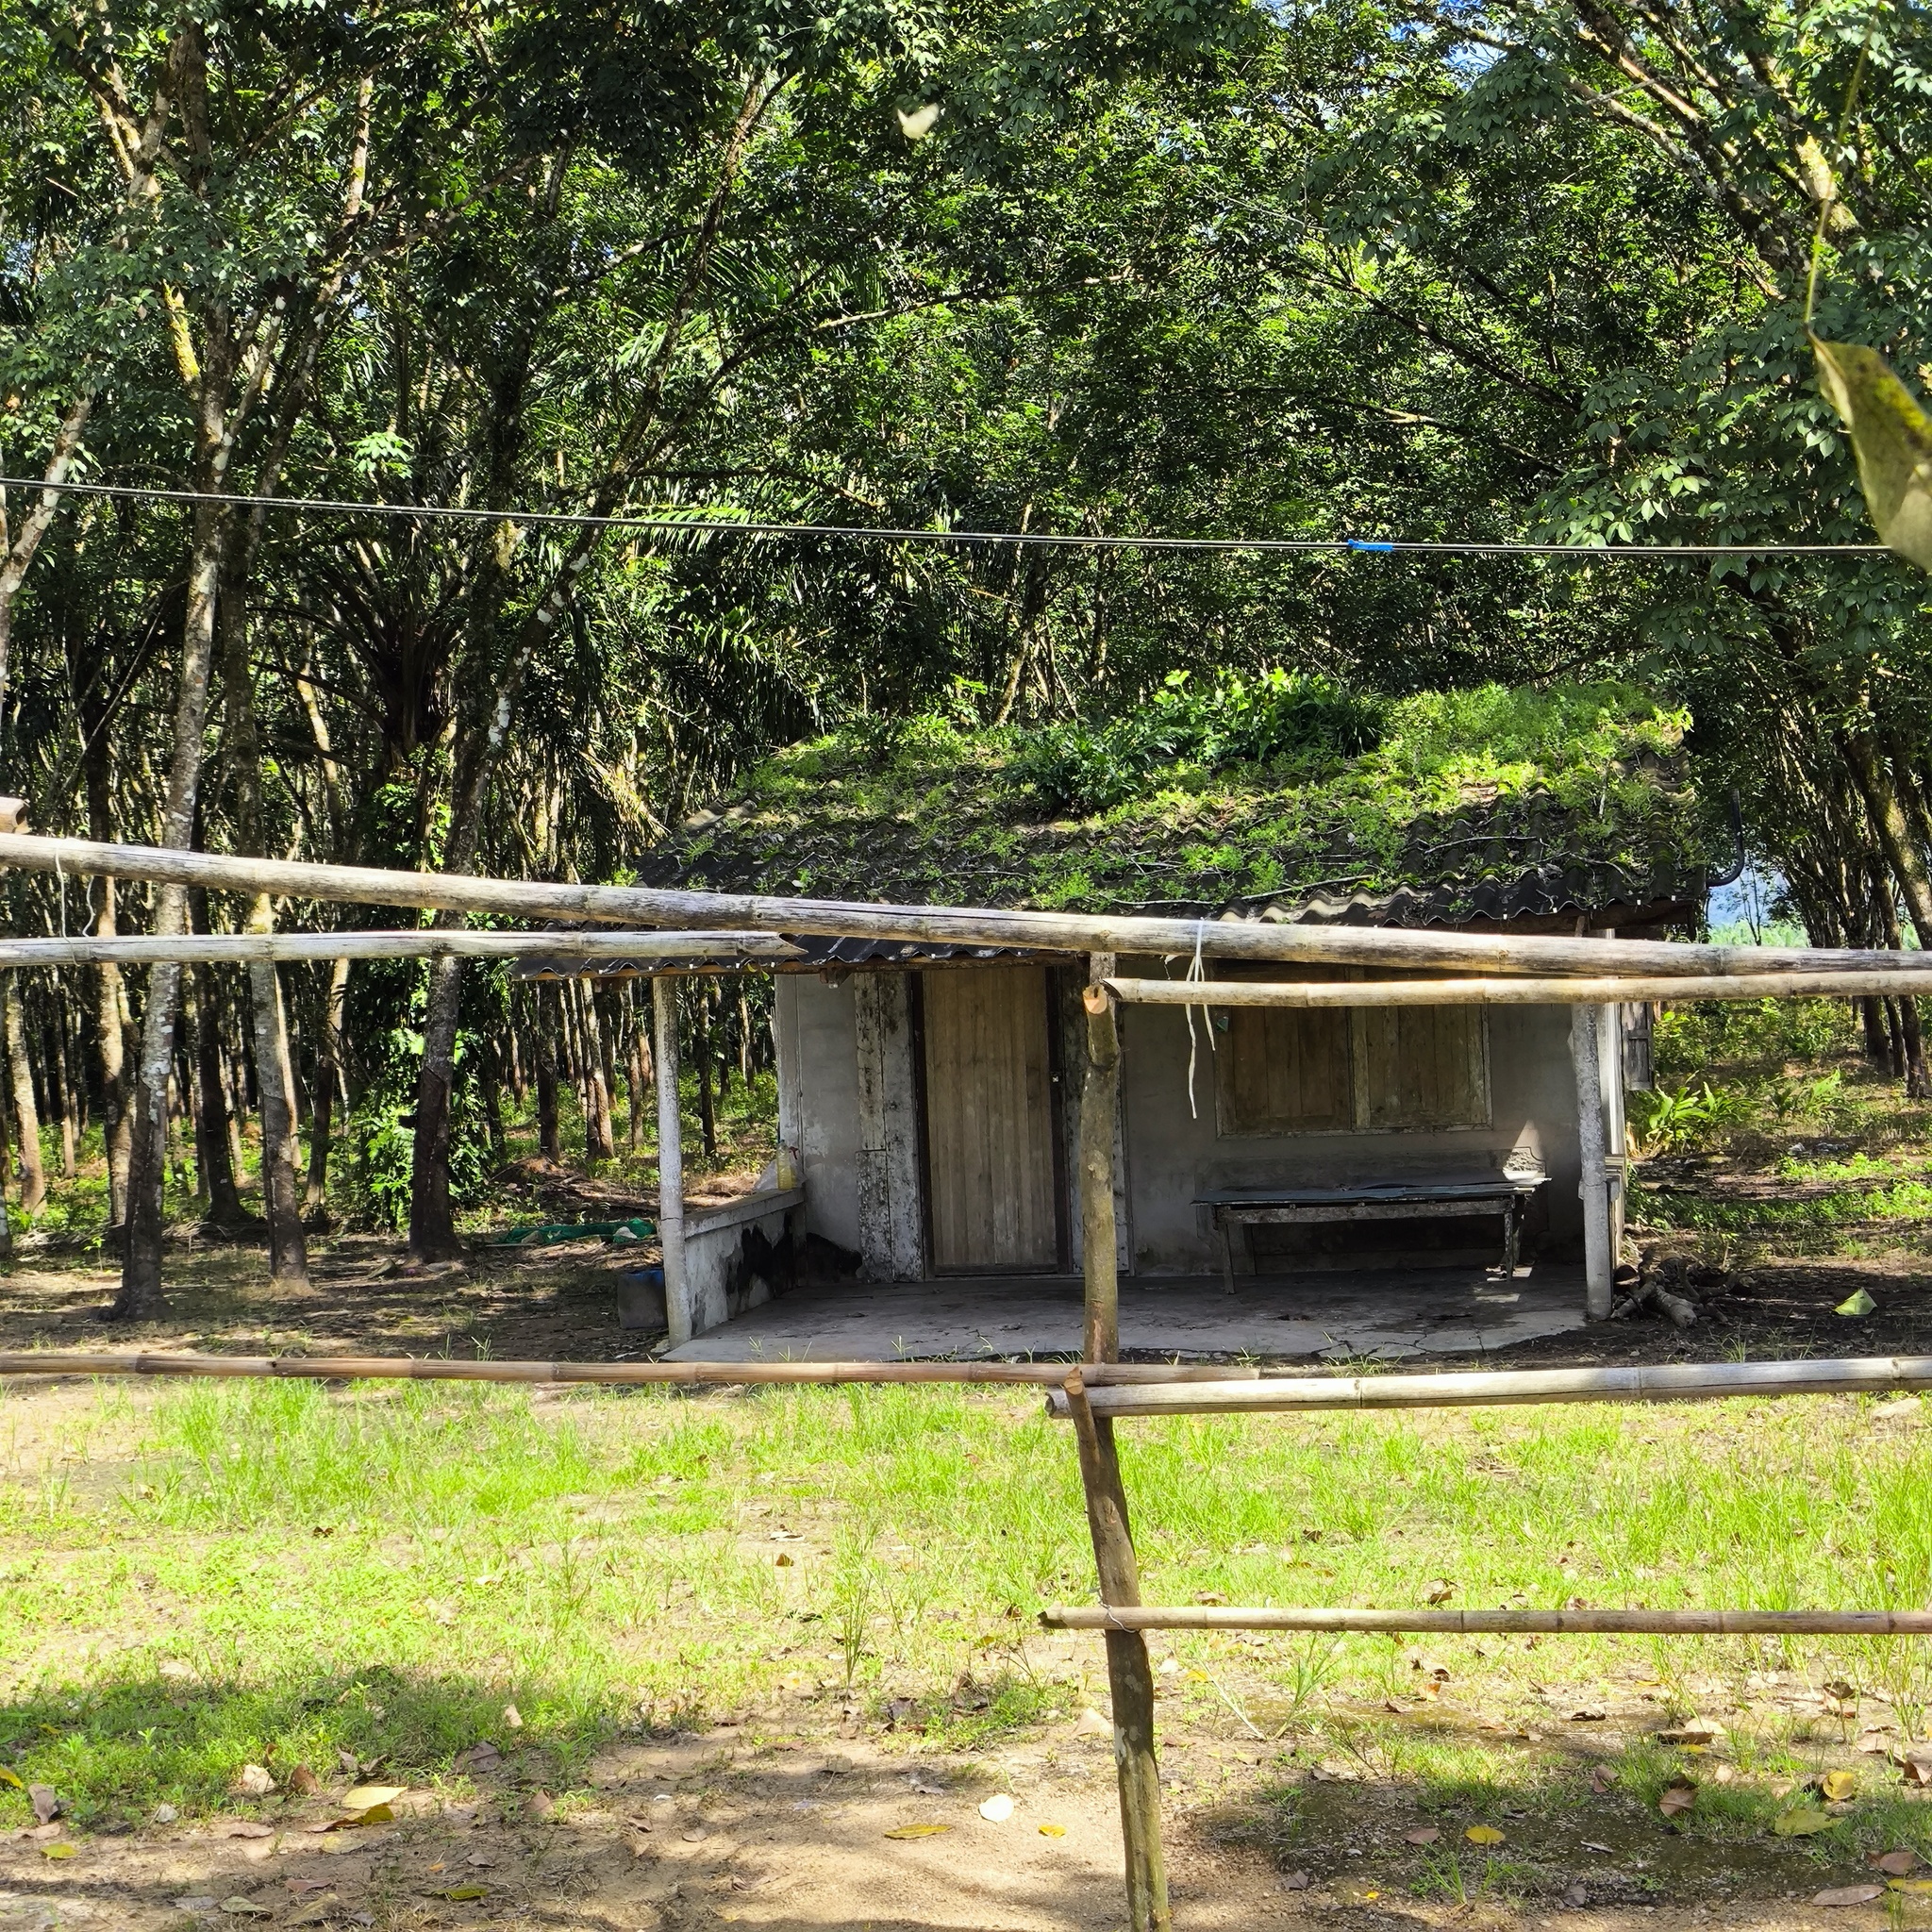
(1130, 1677)
(1599, 1263)
(1099, 1109)
(677, 1308)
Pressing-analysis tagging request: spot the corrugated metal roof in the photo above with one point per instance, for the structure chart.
(817, 953)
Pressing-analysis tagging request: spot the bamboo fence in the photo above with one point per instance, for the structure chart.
(1209, 938)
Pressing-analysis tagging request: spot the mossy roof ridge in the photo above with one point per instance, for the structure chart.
(1493, 803)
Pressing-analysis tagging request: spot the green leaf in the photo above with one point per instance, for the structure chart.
(1893, 437)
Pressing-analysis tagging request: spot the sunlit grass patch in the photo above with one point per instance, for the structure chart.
(203, 1577)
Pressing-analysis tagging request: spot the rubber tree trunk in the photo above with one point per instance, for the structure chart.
(548, 1142)
(1872, 1017)
(61, 1089)
(708, 1112)
(599, 1143)
(214, 1121)
(288, 1247)
(110, 995)
(637, 1076)
(432, 1212)
(678, 1315)
(328, 1060)
(1873, 774)
(27, 1117)
(143, 1294)
(1910, 1039)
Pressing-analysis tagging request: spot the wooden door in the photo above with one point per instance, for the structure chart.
(989, 1120)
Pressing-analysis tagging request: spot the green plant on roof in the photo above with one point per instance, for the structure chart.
(1282, 719)
(1213, 792)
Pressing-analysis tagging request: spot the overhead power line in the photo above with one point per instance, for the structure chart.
(867, 533)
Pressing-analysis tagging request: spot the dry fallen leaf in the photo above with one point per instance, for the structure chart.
(997, 1809)
(1858, 1303)
(1918, 1888)
(1839, 1784)
(918, 1830)
(1441, 1591)
(362, 1797)
(1483, 1835)
(10, 1777)
(1090, 1723)
(1677, 1798)
(246, 1909)
(458, 1893)
(1053, 1831)
(1422, 1835)
(512, 1717)
(1693, 1730)
(1801, 1822)
(483, 1757)
(1429, 1689)
(59, 1849)
(303, 1782)
(46, 1806)
(1895, 1864)
(1849, 1895)
(253, 1782)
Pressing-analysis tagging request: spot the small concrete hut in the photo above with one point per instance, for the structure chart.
(926, 1113)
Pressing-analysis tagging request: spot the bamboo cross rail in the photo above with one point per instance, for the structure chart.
(1845, 982)
(1486, 1389)
(1215, 939)
(383, 1368)
(423, 942)
(1496, 1623)
(1124, 1620)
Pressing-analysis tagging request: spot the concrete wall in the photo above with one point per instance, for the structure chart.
(1174, 1157)
(1167, 1156)
(818, 1099)
(722, 1263)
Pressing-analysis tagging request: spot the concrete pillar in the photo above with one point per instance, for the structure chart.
(1599, 1257)
(677, 1308)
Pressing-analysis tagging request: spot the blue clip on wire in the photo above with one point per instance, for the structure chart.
(1363, 543)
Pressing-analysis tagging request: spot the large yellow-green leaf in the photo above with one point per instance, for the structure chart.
(1893, 437)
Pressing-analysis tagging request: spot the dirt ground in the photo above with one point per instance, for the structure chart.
(786, 1824)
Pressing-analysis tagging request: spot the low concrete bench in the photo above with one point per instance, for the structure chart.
(1236, 1210)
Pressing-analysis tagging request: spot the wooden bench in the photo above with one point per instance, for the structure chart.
(1244, 1208)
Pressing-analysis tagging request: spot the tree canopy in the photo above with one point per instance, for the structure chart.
(1502, 271)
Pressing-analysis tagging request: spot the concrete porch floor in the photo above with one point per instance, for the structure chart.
(1387, 1313)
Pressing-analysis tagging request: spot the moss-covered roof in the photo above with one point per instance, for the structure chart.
(1443, 808)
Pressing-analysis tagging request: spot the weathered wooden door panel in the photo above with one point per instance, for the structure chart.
(989, 1120)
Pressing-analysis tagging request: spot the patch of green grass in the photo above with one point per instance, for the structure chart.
(205, 1576)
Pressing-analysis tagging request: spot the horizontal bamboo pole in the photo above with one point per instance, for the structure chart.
(385, 1368)
(1483, 1389)
(1478, 1622)
(1231, 939)
(1842, 983)
(425, 942)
